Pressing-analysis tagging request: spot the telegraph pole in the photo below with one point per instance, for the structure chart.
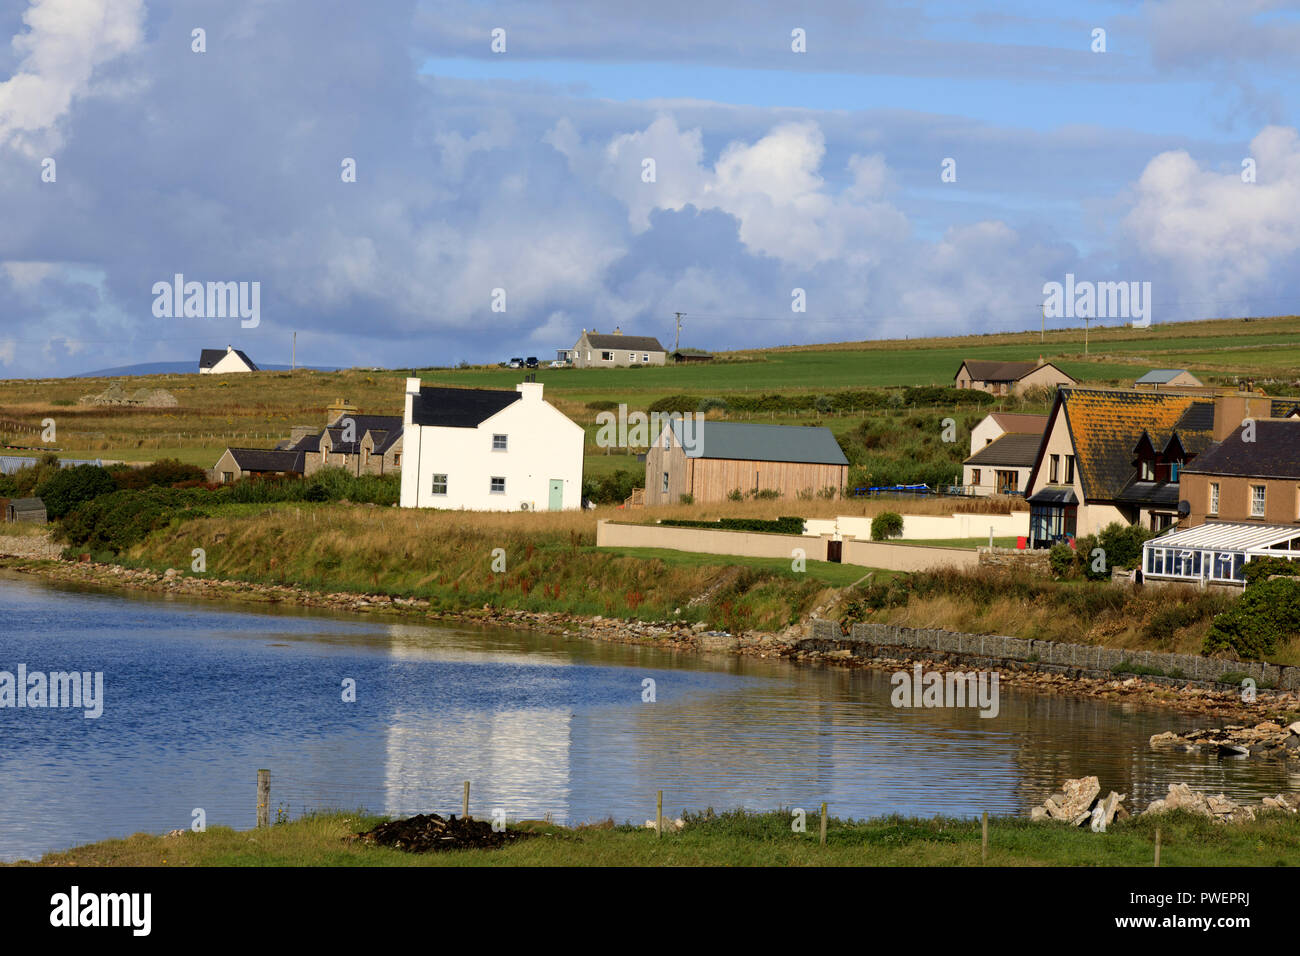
(293, 354)
(678, 341)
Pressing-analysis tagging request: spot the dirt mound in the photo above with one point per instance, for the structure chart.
(424, 833)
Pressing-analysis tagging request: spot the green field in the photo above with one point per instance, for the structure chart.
(733, 839)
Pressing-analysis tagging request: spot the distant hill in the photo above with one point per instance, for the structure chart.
(180, 368)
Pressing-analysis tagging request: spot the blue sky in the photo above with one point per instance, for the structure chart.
(524, 170)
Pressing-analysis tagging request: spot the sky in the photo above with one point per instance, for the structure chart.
(782, 173)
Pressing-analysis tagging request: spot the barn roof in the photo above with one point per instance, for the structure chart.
(741, 441)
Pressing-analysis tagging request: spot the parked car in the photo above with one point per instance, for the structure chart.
(530, 362)
(559, 363)
(516, 363)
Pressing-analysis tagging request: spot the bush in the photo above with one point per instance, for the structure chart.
(684, 404)
(1062, 559)
(784, 525)
(612, 489)
(709, 404)
(68, 487)
(602, 405)
(886, 525)
(168, 472)
(1267, 614)
(735, 494)
(686, 499)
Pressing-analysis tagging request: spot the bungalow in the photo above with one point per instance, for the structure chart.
(1009, 378)
(1114, 455)
(489, 450)
(1003, 449)
(612, 351)
(217, 362)
(1167, 377)
(711, 460)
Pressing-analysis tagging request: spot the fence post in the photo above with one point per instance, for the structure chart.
(465, 814)
(263, 798)
(984, 838)
(659, 814)
(823, 838)
(1157, 863)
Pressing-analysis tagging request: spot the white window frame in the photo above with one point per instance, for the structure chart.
(607, 356)
(492, 482)
(435, 483)
(1261, 500)
(1214, 498)
(505, 442)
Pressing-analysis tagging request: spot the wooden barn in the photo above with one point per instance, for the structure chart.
(710, 460)
(23, 509)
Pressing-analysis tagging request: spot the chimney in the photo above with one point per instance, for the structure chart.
(1231, 410)
(412, 390)
(617, 330)
(531, 391)
(337, 409)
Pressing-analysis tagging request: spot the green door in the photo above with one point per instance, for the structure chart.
(557, 494)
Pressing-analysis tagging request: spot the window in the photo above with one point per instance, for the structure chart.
(1008, 482)
(1148, 471)
(1054, 472)
(1214, 498)
(668, 442)
(974, 476)
(645, 357)
(607, 356)
(1174, 467)
(1257, 501)
(498, 486)
(1069, 469)
(499, 442)
(665, 482)
(227, 477)
(397, 459)
(439, 484)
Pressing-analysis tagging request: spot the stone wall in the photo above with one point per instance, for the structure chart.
(872, 640)
(1033, 560)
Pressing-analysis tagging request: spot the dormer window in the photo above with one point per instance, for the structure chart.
(1148, 470)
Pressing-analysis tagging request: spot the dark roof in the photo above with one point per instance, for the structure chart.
(1020, 422)
(210, 357)
(1275, 452)
(1150, 493)
(992, 371)
(386, 428)
(634, 343)
(267, 459)
(1014, 448)
(458, 407)
(740, 441)
(1055, 495)
(1106, 425)
(27, 504)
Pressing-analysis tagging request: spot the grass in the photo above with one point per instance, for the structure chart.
(734, 839)
(834, 575)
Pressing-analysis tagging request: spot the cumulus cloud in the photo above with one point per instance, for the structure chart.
(64, 43)
(1220, 239)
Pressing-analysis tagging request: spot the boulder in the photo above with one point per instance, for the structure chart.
(1079, 795)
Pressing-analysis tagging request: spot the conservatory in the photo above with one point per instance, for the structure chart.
(1216, 553)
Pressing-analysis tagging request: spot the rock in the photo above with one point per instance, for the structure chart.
(1167, 739)
(1079, 795)
(1233, 750)
(1294, 728)
(1110, 807)
(1053, 810)
(1097, 822)
(1081, 818)
(1039, 813)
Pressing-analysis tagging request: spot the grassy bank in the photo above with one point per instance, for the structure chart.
(733, 839)
(460, 561)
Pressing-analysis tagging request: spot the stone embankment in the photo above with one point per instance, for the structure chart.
(1078, 802)
(32, 547)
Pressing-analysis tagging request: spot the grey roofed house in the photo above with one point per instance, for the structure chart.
(746, 442)
(268, 460)
(1159, 376)
(458, 407)
(634, 343)
(1014, 449)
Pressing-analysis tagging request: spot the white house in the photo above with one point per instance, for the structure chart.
(489, 450)
(217, 362)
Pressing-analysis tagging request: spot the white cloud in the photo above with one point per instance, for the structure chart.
(65, 41)
(1219, 237)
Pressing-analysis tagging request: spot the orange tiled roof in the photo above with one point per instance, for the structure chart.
(1105, 425)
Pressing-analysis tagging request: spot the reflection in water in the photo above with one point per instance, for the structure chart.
(198, 697)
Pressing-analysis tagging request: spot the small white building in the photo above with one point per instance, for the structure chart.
(489, 450)
(217, 362)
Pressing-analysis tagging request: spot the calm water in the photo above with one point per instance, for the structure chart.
(199, 696)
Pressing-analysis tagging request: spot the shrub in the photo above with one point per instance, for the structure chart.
(767, 494)
(735, 494)
(612, 489)
(709, 404)
(68, 487)
(602, 405)
(168, 472)
(1266, 615)
(784, 525)
(886, 525)
(686, 499)
(1062, 559)
(676, 403)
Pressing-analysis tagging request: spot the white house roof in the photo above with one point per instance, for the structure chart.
(1231, 537)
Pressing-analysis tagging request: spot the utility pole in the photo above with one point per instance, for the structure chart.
(1087, 320)
(1042, 330)
(293, 355)
(678, 341)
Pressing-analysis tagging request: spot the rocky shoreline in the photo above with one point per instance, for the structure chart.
(1079, 802)
(791, 643)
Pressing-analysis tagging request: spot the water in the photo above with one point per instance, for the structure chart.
(199, 696)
